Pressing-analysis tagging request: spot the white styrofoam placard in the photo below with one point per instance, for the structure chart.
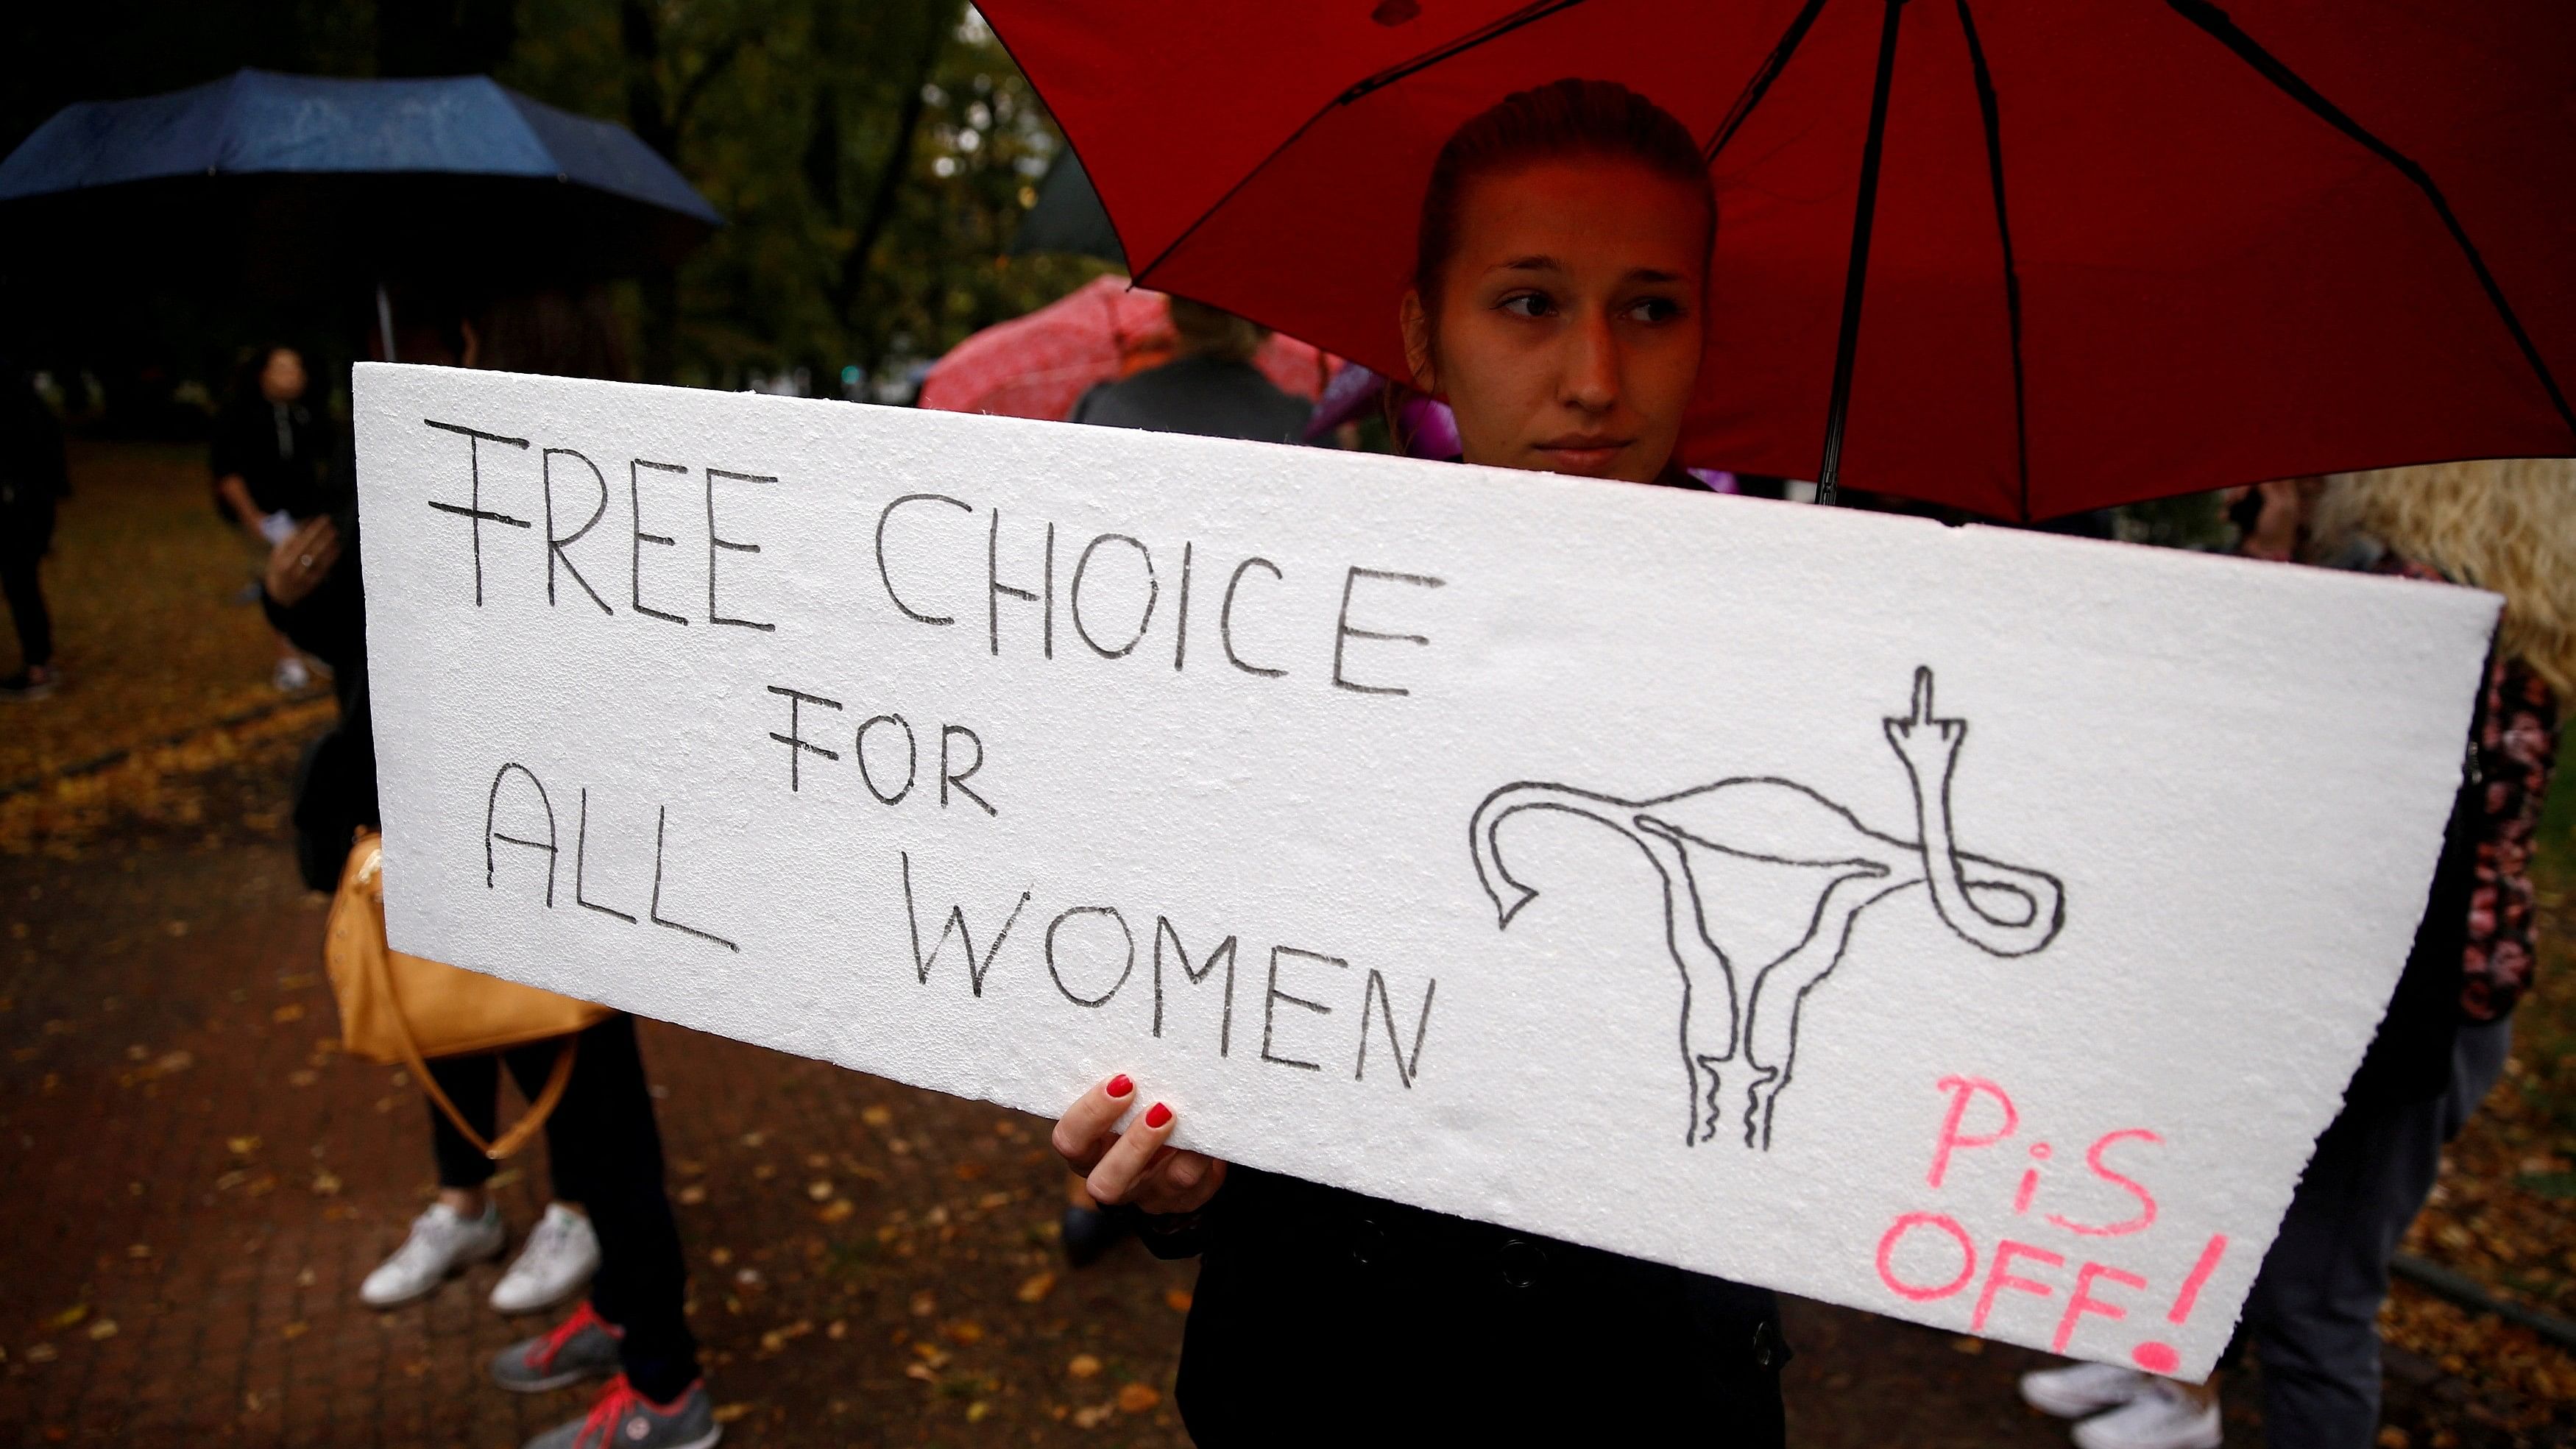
(1485, 840)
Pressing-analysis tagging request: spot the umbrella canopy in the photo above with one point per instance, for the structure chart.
(447, 177)
(1039, 365)
(1068, 217)
(2022, 256)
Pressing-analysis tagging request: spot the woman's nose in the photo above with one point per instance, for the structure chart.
(1591, 365)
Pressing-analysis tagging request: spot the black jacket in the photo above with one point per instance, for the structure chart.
(1326, 1317)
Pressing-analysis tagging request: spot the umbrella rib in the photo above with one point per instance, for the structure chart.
(1760, 85)
(1991, 114)
(1527, 14)
(1856, 278)
(2290, 83)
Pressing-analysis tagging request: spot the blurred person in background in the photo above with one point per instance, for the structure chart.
(610, 1224)
(269, 467)
(33, 479)
(2312, 1317)
(1210, 387)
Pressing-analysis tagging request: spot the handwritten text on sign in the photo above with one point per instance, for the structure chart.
(1896, 915)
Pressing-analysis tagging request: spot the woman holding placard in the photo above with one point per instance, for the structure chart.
(1557, 307)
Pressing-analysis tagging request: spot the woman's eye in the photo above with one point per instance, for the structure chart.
(1654, 309)
(1529, 304)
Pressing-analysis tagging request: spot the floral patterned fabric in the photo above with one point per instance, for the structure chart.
(2518, 750)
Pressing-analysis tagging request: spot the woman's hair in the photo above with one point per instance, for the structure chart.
(1205, 331)
(1582, 118)
(2505, 525)
(556, 332)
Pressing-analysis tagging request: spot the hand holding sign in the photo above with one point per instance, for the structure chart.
(1135, 1166)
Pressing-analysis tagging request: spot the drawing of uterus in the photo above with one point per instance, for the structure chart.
(1763, 880)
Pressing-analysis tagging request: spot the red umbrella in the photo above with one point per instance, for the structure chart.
(2025, 256)
(1037, 366)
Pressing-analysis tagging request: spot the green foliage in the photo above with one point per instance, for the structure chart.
(871, 163)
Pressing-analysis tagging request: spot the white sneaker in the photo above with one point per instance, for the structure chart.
(440, 1242)
(559, 1258)
(2163, 1417)
(2080, 1389)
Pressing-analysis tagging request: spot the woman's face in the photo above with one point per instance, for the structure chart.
(1569, 326)
(282, 380)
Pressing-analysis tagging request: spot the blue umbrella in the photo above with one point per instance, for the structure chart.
(301, 179)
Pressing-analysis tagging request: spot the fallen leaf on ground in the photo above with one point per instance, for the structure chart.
(293, 1331)
(920, 1371)
(104, 1328)
(693, 1194)
(1138, 1398)
(833, 1212)
(820, 1189)
(302, 1077)
(242, 1146)
(68, 1316)
(977, 1411)
(325, 1184)
(40, 1353)
(1093, 1417)
(924, 1303)
(838, 1329)
(292, 1011)
(727, 1413)
(876, 1116)
(965, 1334)
(1036, 1287)
(1084, 1366)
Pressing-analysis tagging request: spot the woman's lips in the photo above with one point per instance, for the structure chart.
(1582, 455)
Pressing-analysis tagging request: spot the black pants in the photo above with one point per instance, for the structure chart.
(22, 548)
(605, 1152)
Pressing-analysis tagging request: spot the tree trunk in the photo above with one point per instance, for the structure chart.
(888, 191)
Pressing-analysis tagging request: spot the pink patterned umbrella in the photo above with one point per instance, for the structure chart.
(1039, 365)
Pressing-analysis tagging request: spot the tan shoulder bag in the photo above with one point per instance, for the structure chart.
(401, 1008)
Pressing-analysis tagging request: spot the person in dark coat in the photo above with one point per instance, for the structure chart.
(1210, 389)
(604, 1147)
(1558, 309)
(271, 468)
(33, 480)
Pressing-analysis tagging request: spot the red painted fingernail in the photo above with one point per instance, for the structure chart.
(1119, 1086)
(1157, 1115)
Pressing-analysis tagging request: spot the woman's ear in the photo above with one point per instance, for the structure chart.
(1416, 325)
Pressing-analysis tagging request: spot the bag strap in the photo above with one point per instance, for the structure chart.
(529, 1121)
